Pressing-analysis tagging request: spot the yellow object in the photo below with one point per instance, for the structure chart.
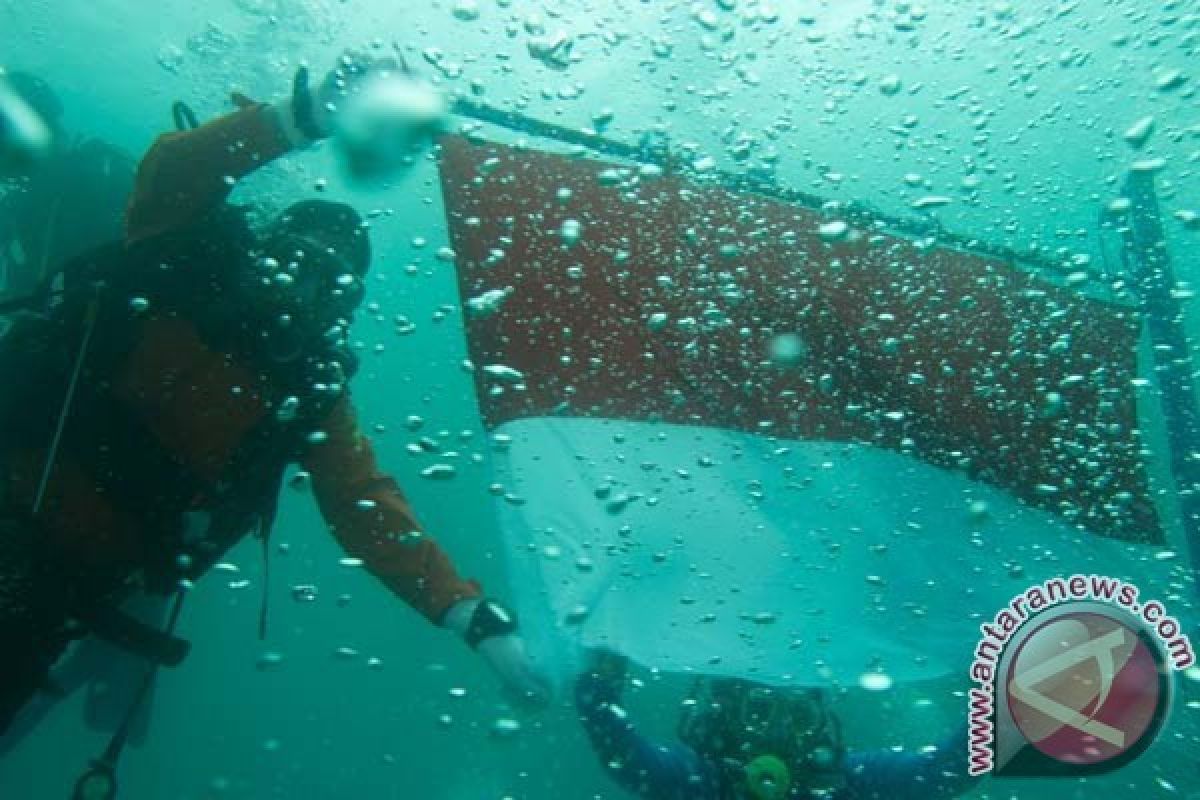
(768, 778)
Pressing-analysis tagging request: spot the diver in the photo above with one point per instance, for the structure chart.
(741, 740)
(60, 196)
(169, 386)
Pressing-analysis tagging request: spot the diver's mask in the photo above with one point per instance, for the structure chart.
(775, 743)
(307, 278)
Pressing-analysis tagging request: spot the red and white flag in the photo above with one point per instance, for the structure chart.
(743, 437)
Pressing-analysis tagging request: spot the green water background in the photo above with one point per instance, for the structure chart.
(1049, 88)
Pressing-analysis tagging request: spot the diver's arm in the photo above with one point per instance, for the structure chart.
(372, 520)
(186, 174)
(889, 775)
(650, 770)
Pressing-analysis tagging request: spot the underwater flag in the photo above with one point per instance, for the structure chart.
(744, 437)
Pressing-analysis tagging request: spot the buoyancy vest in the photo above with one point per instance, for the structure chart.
(179, 407)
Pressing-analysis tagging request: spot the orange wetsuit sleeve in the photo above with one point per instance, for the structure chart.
(371, 518)
(183, 175)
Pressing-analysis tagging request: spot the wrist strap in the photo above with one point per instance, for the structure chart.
(302, 107)
(490, 619)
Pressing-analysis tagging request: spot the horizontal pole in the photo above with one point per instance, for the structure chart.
(913, 227)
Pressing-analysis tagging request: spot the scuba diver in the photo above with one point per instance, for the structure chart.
(166, 390)
(741, 740)
(59, 196)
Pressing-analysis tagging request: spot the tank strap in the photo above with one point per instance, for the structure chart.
(122, 630)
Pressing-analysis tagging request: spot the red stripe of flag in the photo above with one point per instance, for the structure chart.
(944, 354)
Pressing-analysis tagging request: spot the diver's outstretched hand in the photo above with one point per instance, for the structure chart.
(491, 630)
(608, 665)
(601, 682)
(380, 115)
(316, 107)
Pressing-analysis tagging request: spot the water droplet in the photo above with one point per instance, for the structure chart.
(834, 231)
(466, 10)
(1189, 218)
(890, 84)
(1168, 79)
(707, 19)
(875, 681)
(505, 727)
(439, 472)
(570, 232)
(787, 349)
(503, 373)
(931, 201)
(1140, 131)
(1149, 165)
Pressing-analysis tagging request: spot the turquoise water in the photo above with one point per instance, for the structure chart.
(1018, 112)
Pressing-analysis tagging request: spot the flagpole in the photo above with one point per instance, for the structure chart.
(913, 227)
(1147, 256)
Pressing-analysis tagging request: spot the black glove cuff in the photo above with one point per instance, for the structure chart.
(302, 107)
(490, 619)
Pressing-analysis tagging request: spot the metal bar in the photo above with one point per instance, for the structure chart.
(1149, 262)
